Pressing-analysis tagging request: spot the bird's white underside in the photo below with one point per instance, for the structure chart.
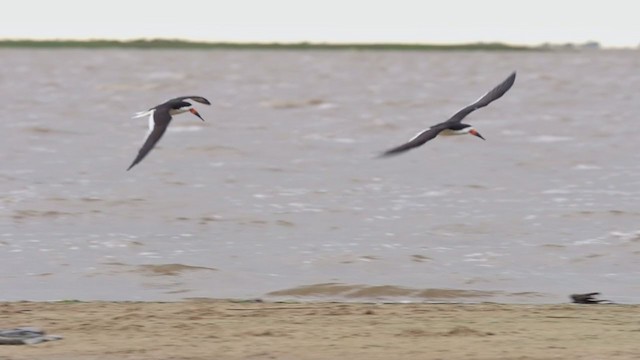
(449, 132)
(179, 111)
(445, 132)
(152, 124)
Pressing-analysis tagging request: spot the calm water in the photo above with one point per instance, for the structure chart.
(279, 191)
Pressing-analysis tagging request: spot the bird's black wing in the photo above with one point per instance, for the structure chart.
(416, 141)
(195, 98)
(486, 99)
(161, 119)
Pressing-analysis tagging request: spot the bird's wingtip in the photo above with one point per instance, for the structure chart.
(387, 154)
(201, 100)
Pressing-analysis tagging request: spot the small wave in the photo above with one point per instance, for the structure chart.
(549, 139)
(169, 269)
(340, 140)
(161, 269)
(556, 191)
(165, 75)
(186, 128)
(586, 167)
(295, 104)
(363, 292)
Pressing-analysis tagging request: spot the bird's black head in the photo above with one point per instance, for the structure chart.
(458, 126)
(180, 105)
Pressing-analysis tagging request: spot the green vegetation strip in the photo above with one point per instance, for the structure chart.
(181, 44)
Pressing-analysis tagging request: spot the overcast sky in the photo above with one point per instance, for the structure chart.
(612, 22)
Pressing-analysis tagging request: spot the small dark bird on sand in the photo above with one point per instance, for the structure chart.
(588, 299)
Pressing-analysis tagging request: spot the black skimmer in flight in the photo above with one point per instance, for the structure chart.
(454, 126)
(160, 117)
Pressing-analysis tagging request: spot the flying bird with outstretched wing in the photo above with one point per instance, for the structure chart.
(454, 125)
(159, 118)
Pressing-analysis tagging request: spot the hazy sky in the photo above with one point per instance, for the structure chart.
(612, 22)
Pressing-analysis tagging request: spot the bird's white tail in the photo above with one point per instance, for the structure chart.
(140, 114)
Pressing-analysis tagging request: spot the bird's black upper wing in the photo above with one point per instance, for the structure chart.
(416, 141)
(161, 119)
(195, 98)
(486, 99)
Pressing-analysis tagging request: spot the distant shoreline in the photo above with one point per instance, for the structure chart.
(182, 44)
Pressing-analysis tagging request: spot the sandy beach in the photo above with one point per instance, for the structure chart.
(216, 329)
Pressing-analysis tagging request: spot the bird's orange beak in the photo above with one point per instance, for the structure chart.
(195, 112)
(474, 132)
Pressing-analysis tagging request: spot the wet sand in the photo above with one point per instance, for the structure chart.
(206, 329)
